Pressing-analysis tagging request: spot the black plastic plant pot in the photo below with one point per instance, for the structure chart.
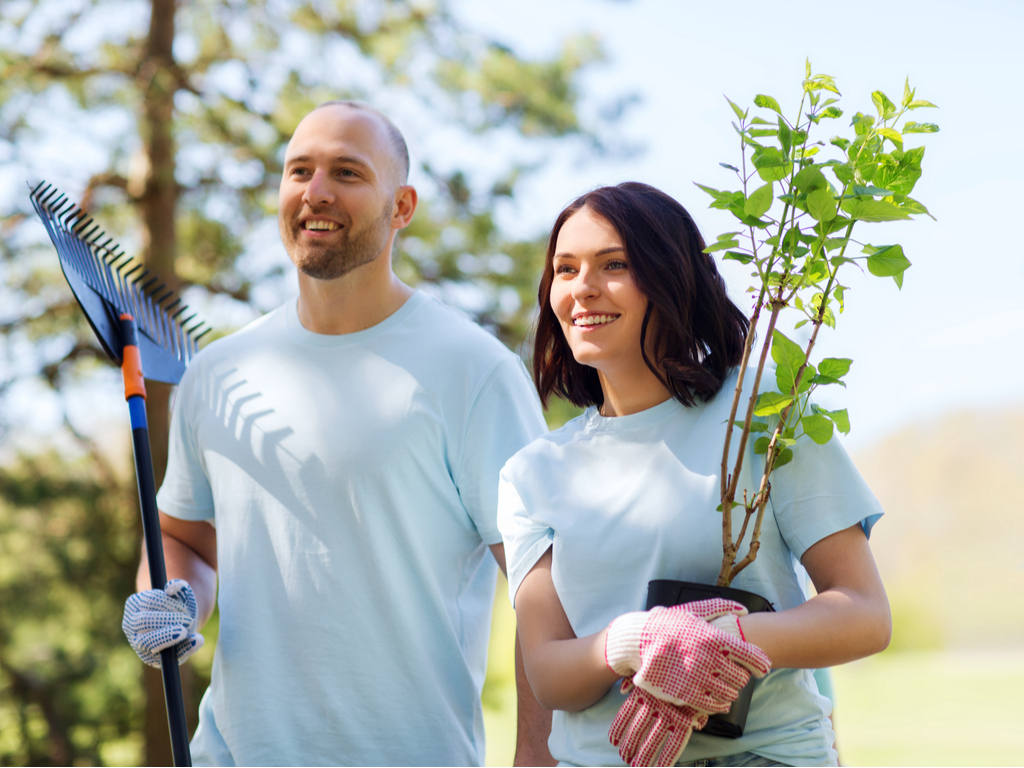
(730, 724)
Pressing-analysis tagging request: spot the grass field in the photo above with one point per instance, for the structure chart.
(906, 708)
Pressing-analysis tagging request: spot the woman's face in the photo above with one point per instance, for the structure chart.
(593, 295)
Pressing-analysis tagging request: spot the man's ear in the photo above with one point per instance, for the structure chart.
(405, 206)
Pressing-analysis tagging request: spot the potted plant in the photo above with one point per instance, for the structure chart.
(798, 213)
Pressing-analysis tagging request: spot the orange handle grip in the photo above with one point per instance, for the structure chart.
(131, 367)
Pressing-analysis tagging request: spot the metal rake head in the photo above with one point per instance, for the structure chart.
(107, 284)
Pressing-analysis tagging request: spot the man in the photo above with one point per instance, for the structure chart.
(336, 464)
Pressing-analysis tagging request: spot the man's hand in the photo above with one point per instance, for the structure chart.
(162, 618)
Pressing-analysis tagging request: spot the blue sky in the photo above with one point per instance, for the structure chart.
(954, 336)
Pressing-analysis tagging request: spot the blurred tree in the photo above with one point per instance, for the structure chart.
(168, 121)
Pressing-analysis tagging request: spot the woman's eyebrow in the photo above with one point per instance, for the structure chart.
(602, 252)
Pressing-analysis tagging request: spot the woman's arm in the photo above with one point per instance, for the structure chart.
(847, 620)
(565, 672)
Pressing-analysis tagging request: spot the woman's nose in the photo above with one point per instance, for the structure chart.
(585, 286)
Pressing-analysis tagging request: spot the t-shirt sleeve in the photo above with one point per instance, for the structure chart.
(186, 491)
(504, 417)
(526, 540)
(820, 492)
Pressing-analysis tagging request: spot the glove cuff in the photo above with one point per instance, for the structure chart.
(729, 624)
(622, 643)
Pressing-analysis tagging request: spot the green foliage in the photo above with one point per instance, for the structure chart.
(797, 240)
(70, 691)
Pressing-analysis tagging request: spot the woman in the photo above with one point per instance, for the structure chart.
(636, 324)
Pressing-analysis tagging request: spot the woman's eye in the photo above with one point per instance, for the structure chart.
(564, 269)
(617, 264)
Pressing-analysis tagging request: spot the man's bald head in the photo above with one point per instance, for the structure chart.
(399, 150)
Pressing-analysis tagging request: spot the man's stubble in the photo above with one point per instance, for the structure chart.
(329, 261)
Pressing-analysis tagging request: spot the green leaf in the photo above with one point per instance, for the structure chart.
(771, 164)
(743, 258)
(885, 107)
(730, 167)
(821, 205)
(841, 420)
(810, 179)
(889, 261)
(784, 458)
(859, 191)
(761, 445)
(785, 136)
(739, 112)
(830, 112)
(912, 127)
(755, 426)
(759, 202)
(892, 136)
(721, 245)
(918, 103)
(866, 209)
(767, 102)
(771, 403)
(821, 82)
(840, 142)
(835, 367)
(907, 93)
(817, 427)
(788, 358)
(807, 68)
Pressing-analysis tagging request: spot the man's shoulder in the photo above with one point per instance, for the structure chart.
(250, 336)
(448, 332)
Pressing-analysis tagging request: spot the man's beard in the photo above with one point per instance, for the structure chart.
(329, 261)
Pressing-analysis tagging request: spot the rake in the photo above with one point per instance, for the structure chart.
(141, 326)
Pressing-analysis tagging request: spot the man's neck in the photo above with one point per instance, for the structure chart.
(364, 297)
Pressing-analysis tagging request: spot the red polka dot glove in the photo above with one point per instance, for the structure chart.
(678, 656)
(649, 731)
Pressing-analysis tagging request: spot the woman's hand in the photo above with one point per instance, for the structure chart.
(847, 620)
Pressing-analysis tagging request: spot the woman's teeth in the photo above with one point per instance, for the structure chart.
(594, 319)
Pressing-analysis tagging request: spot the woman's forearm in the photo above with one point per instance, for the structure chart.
(848, 619)
(832, 628)
(570, 674)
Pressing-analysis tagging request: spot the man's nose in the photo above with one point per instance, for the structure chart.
(318, 191)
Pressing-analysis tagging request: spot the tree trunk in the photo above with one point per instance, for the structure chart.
(158, 206)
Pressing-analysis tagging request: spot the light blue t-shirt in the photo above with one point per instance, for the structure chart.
(629, 499)
(353, 483)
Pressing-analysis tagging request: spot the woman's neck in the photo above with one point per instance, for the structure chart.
(626, 393)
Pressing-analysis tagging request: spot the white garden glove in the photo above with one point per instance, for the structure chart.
(650, 731)
(678, 656)
(161, 618)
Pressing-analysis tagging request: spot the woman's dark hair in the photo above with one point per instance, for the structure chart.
(697, 333)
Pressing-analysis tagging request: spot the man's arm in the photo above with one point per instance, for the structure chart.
(190, 553)
(533, 722)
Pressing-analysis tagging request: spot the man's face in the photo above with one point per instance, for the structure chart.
(337, 192)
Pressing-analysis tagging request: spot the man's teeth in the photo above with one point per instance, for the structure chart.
(594, 319)
(321, 225)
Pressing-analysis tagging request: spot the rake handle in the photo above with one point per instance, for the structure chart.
(135, 394)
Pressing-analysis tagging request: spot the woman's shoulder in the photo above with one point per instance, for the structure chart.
(548, 447)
